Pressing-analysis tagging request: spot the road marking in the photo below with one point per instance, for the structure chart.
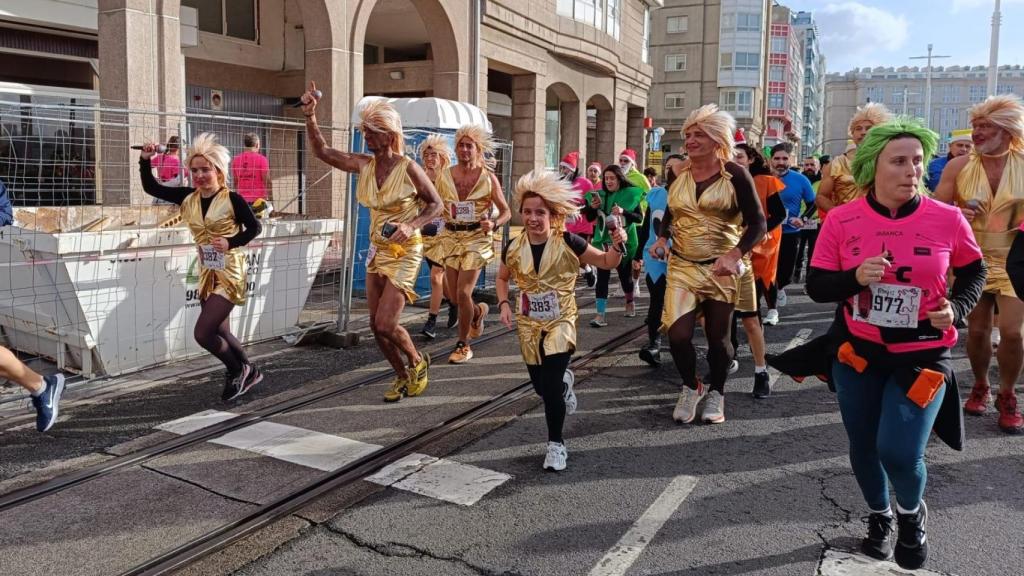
(625, 552)
(801, 337)
(842, 563)
(446, 480)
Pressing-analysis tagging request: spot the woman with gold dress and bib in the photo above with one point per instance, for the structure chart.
(221, 223)
(544, 261)
(714, 219)
(401, 200)
(436, 157)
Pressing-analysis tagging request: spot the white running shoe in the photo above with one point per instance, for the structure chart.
(556, 457)
(569, 395)
(686, 407)
(772, 317)
(714, 408)
(734, 366)
(781, 300)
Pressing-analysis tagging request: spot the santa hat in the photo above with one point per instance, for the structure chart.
(963, 135)
(595, 164)
(628, 153)
(740, 137)
(571, 160)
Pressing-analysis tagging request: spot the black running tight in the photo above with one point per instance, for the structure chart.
(769, 293)
(717, 321)
(547, 382)
(625, 271)
(213, 332)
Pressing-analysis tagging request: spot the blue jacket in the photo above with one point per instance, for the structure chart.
(657, 202)
(935, 168)
(798, 190)
(6, 208)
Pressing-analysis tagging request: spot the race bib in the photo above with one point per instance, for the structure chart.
(438, 223)
(542, 306)
(370, 253)
(810, 225)
(212, 259)
(463, 212)
(888, 306)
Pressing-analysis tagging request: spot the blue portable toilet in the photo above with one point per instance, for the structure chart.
(420, 118)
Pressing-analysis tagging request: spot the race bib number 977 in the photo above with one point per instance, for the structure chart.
(888, 306)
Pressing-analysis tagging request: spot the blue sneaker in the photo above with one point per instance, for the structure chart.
(47, 404)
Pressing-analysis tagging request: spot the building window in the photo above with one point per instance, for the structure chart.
(777, 73)
(748, 22)
(1004, 89)
(590, 12)
(564, 8)
(728, 22)
(678, 24)
(614, 9)
(675, 100)
(675, 62)
(739, 61)
(645, 48)
(977, 92)
(876, 94)
(778, 45)
(737, 102)
(234, 18)
(776, 101)
(950, 93)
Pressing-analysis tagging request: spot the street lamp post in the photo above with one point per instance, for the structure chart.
(993, 52)
(928, 85)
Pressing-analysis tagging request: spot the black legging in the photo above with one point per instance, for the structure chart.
(625, 270)
(806, 248)
(787, 258)
(717, 321)
(547, 382)
(655, 306)
(769, 293)
(213, 332)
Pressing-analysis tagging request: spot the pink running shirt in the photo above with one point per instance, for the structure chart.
(247, 170)
(168, 168)
(581, 225)
(923, 247)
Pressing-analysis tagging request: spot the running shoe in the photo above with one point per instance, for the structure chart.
(762, 385)
(651, 353)
(397, 389)
(453, 315)
(598, 321)
(781, 301)
(569, 395)
(253, 378)
(977, 403)
(430, 327)
(912, 543)
(686, 407)
(630, 309)
(476, 328)
(772, 317)
(714, 408)
(462, 354)
(233, 384)
(1010, 420)
(590, 277)
(556, 457)
(734, 366)
(47, 404)
(880, 527)
(418, 376)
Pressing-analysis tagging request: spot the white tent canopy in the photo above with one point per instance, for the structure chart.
(434, 113)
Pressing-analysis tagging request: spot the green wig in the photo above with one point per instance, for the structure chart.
(879, 137)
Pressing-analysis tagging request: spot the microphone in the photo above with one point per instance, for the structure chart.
(316, 93)
(160, 148)
(612, 223)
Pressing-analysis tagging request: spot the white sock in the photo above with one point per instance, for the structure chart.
(759, 369)
(886, 512)
(902, 510)
(39, 391)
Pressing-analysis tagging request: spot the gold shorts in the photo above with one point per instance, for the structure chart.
(401, 269)
(689, 284)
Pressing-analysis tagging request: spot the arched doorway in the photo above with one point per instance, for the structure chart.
(600, 130)
(562, 123)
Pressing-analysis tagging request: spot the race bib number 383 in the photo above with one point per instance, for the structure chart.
(541, 306)
(888, 306)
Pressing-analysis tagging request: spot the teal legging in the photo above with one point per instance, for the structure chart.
(888, 434)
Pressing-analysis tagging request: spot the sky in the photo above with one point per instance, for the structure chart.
(857, 33)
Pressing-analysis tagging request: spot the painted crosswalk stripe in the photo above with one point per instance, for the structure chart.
(801, 338)
(841, 563)
(626, 551)
(417, 473)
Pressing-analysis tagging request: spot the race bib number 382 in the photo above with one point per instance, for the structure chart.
(212, 259)
(888, 306)
(541, 306)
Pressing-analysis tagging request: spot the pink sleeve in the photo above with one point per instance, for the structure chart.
(826, 249)
(966, 249)
(264, 164)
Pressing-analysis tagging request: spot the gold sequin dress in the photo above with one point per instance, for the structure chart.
(463, 249)
(844, 190)
(219, 221)
(395, 201)
(557, 274)
(998, 216)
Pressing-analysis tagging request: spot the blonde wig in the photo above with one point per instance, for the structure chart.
(440, 145)
(206, 146)
(719, 125)
(872, 112)
(479, 136)
(381, 117)
(1006, 112)
(556, 193)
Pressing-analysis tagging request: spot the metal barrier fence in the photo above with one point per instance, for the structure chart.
(101, 279)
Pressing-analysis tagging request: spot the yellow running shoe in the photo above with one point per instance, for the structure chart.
(398, 389)
(476, 328)
(418, 376)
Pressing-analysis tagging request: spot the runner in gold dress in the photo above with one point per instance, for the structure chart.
(401, 200)
(436, 157)
(837, 186)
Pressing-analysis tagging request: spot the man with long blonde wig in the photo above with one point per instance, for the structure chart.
(708, 206)
(401, 200)
(470, 190)
(988, 186)
(543, 262)
(436, 157)
(837, 186)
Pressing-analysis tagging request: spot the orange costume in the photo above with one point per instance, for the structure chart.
(765, 254)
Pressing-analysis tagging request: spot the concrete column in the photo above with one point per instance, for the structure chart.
(635, 134)
(142, 68)
(573, 127)
(528, 107)
(607, 149)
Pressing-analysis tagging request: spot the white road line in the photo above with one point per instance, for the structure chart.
(841, 563)
(194, 422)
(625, 552)
(801, 337)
